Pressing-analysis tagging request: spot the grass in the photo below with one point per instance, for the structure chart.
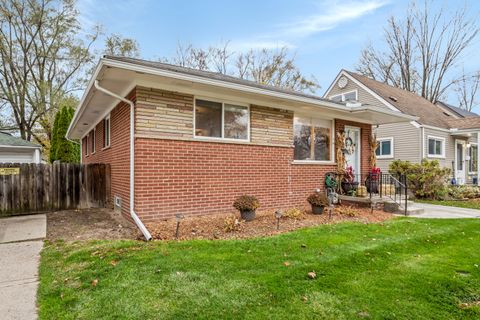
(471, 204)
(401, 269)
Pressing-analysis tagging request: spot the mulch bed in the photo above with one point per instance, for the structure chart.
(214, 226)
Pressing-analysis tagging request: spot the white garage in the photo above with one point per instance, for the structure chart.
(17, 150)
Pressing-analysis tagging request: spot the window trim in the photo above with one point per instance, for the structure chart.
(332, 160)
(392, 151)
(105, 145)
(440, 156)
(94, 140)
(223, 102)
(470, 157)
(343, 95)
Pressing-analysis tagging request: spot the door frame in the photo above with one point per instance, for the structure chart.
(358, 148)
(463, 180)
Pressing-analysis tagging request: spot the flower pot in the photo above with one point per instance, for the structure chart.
(317, 209)
(248, 215)
(372, 186)
(349, 187)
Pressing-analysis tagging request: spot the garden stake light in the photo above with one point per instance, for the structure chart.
(278, 215)
(179, 218)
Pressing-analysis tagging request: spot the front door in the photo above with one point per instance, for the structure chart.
(460, 171)
(352, 145)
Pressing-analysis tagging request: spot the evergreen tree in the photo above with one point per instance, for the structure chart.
(54, 142)
(65, 151)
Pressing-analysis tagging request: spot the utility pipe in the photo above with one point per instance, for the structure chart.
(134, 216)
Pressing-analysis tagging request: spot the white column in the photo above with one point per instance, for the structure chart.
(36, 156)
(478, 158)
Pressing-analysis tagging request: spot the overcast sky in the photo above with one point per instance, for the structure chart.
(326, 35)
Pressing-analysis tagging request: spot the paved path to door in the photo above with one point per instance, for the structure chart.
(21, 240)
(445, 212)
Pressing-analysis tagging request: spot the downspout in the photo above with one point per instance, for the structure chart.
(134, 216)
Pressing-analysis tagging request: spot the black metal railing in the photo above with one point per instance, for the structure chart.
(372, 184)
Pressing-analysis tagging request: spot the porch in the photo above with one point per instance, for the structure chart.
(466, 159)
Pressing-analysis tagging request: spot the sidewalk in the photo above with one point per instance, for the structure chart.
(445, 212)
(21, 240)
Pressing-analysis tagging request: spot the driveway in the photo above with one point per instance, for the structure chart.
(21, 240)
(444, 212)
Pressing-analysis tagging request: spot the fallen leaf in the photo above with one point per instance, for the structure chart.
(113, 263)
(286, 263)
(95, 282)
(304, 298)
(312, 275)
(304, 246)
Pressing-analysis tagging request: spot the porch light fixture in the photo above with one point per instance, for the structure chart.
(278, 215)
(469, 145)
(178, 217)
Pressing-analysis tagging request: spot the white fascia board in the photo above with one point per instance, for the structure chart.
(21, 147)
(82, 104)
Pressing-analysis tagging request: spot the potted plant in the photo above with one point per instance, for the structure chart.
(318, 201)
(371, 182)
(247, 206)
(349, 185)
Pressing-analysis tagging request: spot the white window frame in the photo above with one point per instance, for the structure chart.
(385, 156)
(343, 95)
(440, 156)
(94, 138)
(106, 144)
(332, 140)
(470, 157)
(223, 102)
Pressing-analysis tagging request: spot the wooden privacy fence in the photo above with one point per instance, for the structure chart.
(30, 188)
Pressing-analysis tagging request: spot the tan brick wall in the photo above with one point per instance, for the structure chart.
(165, 114)
(271, 126)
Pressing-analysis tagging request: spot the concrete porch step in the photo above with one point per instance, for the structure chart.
(411, 210)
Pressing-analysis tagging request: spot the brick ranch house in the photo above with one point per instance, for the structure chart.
(200, 139)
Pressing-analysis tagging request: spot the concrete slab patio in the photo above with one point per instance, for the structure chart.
(21, 240)
(444, 212)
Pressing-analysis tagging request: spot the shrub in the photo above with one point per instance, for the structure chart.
(462, 192)
(231, 224)
(347, 211)
(246, 203)
(318, 199)
(426, 179)
(293, 213)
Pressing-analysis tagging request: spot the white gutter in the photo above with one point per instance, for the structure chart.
(134, 216)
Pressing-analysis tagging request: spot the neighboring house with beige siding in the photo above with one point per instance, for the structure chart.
(442, 132)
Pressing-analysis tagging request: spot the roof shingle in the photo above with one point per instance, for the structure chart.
(11, 141)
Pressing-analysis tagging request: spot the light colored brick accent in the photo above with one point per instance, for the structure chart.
(271, 126)
(163, 114)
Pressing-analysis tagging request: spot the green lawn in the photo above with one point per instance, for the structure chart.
(471, 204)
(402, 269)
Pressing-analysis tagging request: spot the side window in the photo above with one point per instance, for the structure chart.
(106, 132)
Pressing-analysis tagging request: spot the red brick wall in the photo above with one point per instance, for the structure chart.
(117, 155)
(193, 177)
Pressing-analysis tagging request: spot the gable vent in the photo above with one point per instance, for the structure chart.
(393, 98)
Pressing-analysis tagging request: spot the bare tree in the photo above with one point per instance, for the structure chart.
(266, 66)
(41, 61)
(421, 50)
(116, 45)
(468, 89)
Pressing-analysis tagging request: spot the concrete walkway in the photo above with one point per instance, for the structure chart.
(21, 240)
(444, 212)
